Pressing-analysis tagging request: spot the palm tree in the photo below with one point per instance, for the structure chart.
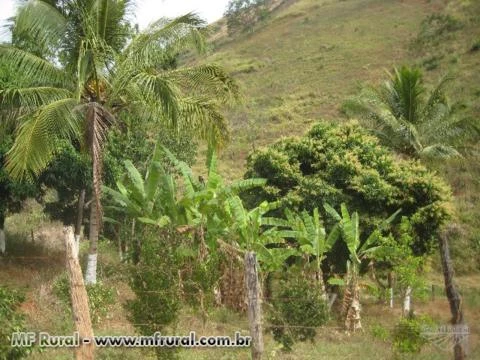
(95, 70)
(407, 118)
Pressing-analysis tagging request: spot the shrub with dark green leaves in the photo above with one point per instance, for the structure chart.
(100, 297)
(407, 335)
(11, 321)
(297, 310)
(343, 163)
(155, 282)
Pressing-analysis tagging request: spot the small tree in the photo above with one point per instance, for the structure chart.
(358, 251)
(398, 258)
(343, 164)
(12, 192)
(243, 14)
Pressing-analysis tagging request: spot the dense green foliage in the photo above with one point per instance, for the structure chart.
(155, 283)
(300, 305)
(68, 173)
(12, 192)
(343, 164)
(100, 297)
(11, 320)
(407, 335)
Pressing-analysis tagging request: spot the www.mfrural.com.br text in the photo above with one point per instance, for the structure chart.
(44, 339)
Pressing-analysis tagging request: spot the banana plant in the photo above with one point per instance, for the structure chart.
(202, 203)
(309, 232)
(249, 227)
(358, 251)
(150, 199)
(349, 226)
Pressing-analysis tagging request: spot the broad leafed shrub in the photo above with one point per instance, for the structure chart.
(335, 164)
(297, 310)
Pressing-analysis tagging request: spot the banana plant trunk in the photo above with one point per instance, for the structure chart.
(3, 241)
(460, 334)
(351, 303)
(91, 271)
(254, 304)
(321, 284)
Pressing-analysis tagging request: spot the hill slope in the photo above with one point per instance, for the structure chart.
(300, 64)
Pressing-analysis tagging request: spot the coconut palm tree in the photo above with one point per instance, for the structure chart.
(408, 118)
(96, 68)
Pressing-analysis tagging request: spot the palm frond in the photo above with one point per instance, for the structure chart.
(203, 118)
(41, 21)
(207, 79)
(439, 151)
(437, 96)
(165, 35)
(28, 99)
(34, 68)
(406, 87)
(35, 141)
(157, 91)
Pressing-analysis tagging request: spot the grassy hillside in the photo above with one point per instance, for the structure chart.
(300, 64)
(309, 55)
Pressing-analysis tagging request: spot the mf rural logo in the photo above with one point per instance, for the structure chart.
(446, 337)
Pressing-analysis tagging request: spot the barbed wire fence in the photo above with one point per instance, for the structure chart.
(242, 326)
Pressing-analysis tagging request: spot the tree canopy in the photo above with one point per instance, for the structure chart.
(338, 164)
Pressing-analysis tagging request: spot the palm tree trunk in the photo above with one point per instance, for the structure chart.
(78, 224)
(97, 124)
(454, 299)
(91, 271)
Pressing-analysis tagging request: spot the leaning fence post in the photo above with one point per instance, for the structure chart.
(254, 304)
(79, 297)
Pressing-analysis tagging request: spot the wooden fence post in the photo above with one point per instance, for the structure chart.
(254, 304)
(79, 297)
(453, 297)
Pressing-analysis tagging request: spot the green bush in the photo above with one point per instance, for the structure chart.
(407, 334)
(155, 282)
(379, 332)
(11, 321)
(100, 297)
(343, 163)
(435, 27)
(301, 306)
